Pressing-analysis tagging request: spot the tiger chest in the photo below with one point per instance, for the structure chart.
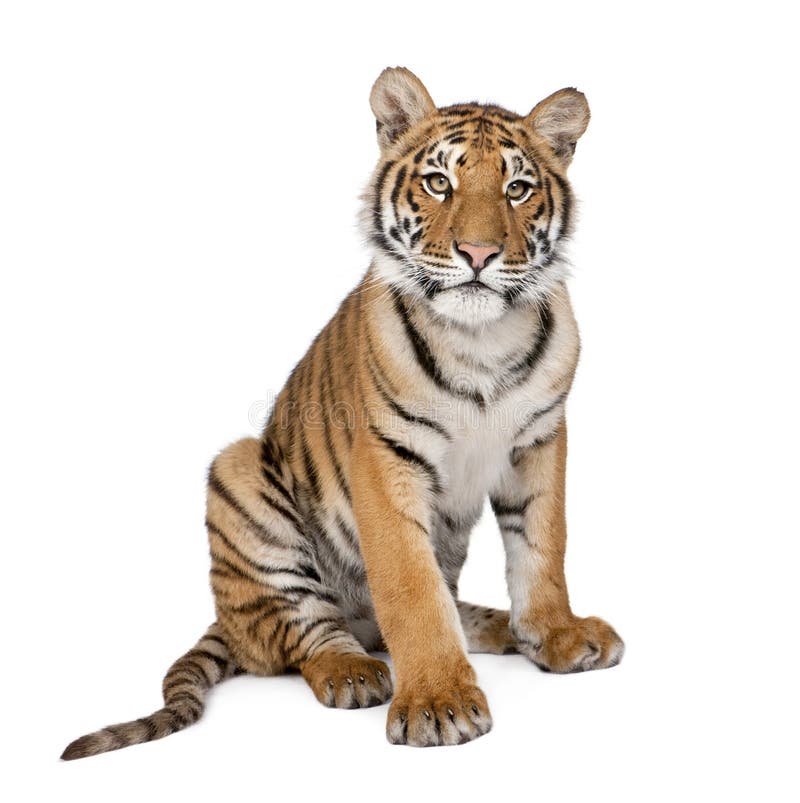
(482, 443)
(472, 464)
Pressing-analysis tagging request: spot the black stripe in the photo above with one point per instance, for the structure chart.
(209, 681)
(418, 524)
(222, 663)
(279, 634)
(271, 454)
(310, 572)
(174, 682)
(531, 419)
(176, 676)
(151, 727)
(212, 637)
(284, 511)
(348, 534)
(378, 234)
(335, 564)
(518, 452)
(267, 614)
(305, 391)
(219, 488)
(509, 118)
(276, 481)
(549, 193)
(411, 457)
(235, 572)
(120, 736)
(306, 592)
(288, 650)
(566, 204)
(457, 112)
(421, 138)
(326, 398)
(328, 634)
(312, 475)
(525, 367)
(343, 418)
(425, 357)
(374, 361)
(461, 124)
(324, 640)
(401, 411)
(311, 470)
(398, 186)
(177, 719)
(196, 675)
(186, 694)
(259, 603)
(504, 509)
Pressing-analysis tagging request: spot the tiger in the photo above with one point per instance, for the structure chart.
(440, 381)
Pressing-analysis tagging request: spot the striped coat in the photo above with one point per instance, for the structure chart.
(440, 382)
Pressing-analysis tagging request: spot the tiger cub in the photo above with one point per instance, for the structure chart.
(441, 380)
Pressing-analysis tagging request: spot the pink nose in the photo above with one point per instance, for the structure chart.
(479, 255)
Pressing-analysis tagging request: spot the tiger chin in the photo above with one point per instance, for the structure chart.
(440, 381)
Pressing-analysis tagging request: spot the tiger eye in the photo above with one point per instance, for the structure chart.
(517, 190)
(438, 183)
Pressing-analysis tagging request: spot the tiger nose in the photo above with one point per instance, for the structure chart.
(478, 256)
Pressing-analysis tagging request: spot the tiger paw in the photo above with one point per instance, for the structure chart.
(348, 680)
(427, 717)
(578, 646)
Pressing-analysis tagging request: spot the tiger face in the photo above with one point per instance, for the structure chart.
(469, 205)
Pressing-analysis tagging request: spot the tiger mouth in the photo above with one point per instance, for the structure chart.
(473, 286)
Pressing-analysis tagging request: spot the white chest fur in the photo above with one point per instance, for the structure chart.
(515, 408)
(473, 463)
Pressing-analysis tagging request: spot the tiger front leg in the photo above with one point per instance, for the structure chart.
(437, 700)
(530, 511)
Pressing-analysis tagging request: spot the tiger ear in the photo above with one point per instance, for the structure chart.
(398, 100)
(560, 120)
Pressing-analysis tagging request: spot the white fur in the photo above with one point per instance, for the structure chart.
(469, 306)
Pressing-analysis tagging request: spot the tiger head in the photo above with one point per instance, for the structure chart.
(469, 205)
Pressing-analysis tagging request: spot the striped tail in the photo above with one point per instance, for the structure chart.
(185, 687)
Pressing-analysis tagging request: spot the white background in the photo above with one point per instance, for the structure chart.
(178, 193)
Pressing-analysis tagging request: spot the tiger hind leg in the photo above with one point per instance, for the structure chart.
(269, 595)
(486, 629)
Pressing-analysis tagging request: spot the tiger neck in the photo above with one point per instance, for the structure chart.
(487, 348)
